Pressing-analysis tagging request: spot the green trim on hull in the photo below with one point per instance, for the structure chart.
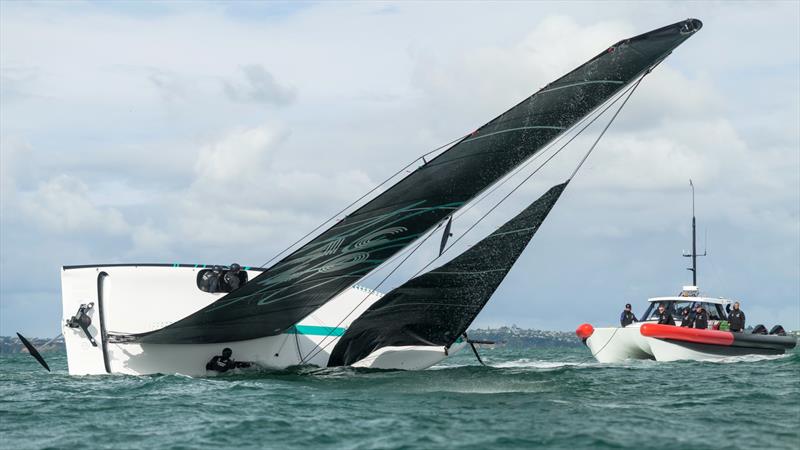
(313, 330)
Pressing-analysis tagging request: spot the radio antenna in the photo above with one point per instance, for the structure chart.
(694, 254)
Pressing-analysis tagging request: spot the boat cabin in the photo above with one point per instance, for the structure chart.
(688, 298)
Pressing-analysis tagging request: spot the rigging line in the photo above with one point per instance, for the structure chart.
(551, 145)
(507, 178)
(600, 136)
(283, 344)
(320, 347)
(460, 213)
(629, 91)
(597, 112)
(607, 342)
(393, 258)
(51, 341)
(297, 341)
(361, 198)
(483, 195)
(388, 262)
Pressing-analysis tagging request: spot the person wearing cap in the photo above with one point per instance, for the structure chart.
(232, 277)
(664, 316)
(627, 317)
(735, 317)
(700, 317)
(223, 363)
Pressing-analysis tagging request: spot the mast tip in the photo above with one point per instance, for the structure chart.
(692, 25)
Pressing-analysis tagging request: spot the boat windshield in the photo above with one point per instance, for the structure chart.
(715, 311)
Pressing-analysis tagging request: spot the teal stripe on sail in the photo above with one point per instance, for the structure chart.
(314, 330)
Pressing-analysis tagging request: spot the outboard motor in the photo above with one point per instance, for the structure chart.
(760, 329)
(778, 330)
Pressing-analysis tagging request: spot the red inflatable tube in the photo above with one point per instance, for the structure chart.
(696, 335)
(584, 331)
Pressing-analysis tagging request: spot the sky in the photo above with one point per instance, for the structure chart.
(219, 132)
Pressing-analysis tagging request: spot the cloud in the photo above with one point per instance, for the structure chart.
(148, 239)
(239, 155)
(15, 82)
(62, 205)
(242, 188)
(170, 86)
(259, 86)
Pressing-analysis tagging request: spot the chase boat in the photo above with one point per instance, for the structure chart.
(650, 340)
(647, 339)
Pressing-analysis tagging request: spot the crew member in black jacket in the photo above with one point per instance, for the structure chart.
(664, 316)
(688, 317)
(700, 317)
(627, 317)
(224, 362)
(735, 317)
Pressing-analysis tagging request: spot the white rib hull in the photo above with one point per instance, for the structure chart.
(617, 344)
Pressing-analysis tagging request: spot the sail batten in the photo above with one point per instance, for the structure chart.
(362, 241)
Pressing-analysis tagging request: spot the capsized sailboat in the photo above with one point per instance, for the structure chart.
(307, 307)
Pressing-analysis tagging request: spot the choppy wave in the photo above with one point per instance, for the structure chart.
(558, 398)
(540, 364)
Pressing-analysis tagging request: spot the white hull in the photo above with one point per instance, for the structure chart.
(132, 299)
(617, 344)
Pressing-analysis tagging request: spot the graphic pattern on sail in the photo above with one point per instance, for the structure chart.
(319, 270)
(437, 307)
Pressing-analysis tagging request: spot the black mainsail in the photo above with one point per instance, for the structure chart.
(435, 308)
(322, 268)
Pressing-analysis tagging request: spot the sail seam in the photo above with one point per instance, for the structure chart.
(581, 84)
(514, 231)
(465, 272)
(538, 127)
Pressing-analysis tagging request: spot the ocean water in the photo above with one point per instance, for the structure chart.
(557, 398)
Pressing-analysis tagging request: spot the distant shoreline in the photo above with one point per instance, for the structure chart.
(512, 337)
